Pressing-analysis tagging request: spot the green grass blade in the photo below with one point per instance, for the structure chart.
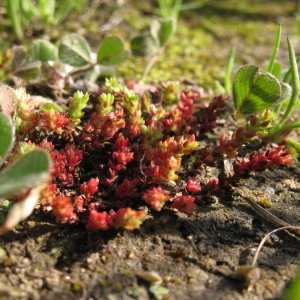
(295, 91)
(229, 68)
(63, 10)
(13, 10)
(288, 75)
(275, 50)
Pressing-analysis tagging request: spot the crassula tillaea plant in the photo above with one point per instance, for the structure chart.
(129, 151)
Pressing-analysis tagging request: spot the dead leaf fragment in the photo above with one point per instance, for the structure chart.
(7, 99)
(22, 209)
(150, 276)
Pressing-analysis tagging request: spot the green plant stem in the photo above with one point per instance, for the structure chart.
(64, 9)
(287, 78)
(275, 50)
(277, 108)
(47, 9)
(229, 67)
(13, 9)
(28, 10)
(151, 62)
(298, 19)
(288, 75)
(290, 126)
(169, 8)
(295, 93)
(83, 70)
(295, 144)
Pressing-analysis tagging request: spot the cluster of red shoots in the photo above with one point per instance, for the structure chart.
(130, 151)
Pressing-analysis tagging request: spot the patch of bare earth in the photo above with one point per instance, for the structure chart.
(45, 260)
